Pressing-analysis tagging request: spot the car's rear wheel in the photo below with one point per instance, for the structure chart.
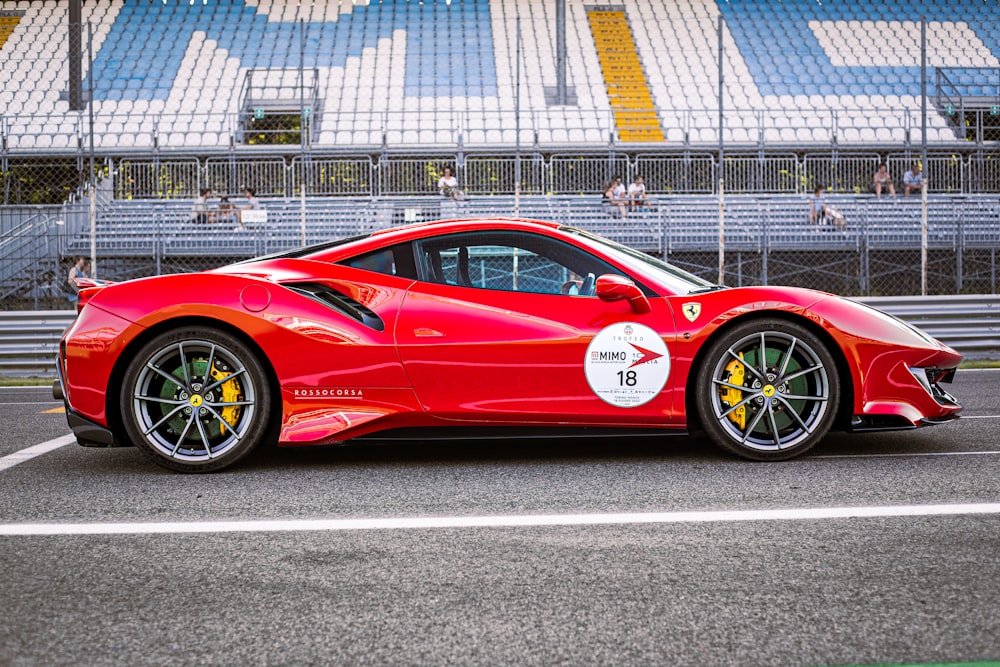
(195, 399)
(769, 390)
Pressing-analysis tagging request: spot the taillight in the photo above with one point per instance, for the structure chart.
(85, 295)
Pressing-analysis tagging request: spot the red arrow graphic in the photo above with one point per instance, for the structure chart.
(647, 355)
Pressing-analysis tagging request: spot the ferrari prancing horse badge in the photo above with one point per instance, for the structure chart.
(691, 310)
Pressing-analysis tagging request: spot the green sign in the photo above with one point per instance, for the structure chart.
(307, 112)
(258, 114)
(949, 109)
(995, 109)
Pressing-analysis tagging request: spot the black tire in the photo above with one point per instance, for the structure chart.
(196, 400)
(772, 405)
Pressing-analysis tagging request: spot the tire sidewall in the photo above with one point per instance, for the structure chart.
(262, 409)
(704, 388)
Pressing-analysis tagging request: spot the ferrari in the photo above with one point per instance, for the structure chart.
(481, 328)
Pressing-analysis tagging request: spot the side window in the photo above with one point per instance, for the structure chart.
(511, 262)
(394, 261)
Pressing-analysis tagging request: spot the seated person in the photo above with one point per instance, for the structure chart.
(913, 180)
(227, 212)
(817, 205)
(615, 198)
(883, 181)
(199, 211)
(253, 204)
(637, 196)
(448, 186)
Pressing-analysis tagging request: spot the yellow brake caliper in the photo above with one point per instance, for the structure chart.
(230, 393)
(730, 396)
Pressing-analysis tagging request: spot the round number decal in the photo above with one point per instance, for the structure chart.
(627, 364)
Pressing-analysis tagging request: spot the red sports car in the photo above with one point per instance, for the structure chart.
(498, 327)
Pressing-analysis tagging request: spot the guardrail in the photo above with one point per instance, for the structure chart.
(29, 340)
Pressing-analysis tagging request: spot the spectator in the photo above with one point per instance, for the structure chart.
(615, 197)
(227, 213)
(817, 205)
(199, 212)
(637, 196)
(913, 180)
(883, 181)
(253, 204)
(80, 269)
(448, 186)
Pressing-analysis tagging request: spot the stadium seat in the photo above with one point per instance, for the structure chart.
(155, 60)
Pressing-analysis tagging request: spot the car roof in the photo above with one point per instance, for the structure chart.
(467, 224)
(420, 230)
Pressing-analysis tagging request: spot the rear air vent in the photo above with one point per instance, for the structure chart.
(340, 302)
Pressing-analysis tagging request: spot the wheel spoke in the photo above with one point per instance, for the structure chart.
(204, 436)
(173, 378)
(225, 423)
(730, 385)
(231, 404)
(795, 414)
(773, 424)
(800, 373)
(187, 378)
(745, 364)
(763, 356)
(796, 397)
(187, 427)
(157, 399)
(752, 426)
(788, 357)
(211, 360)
(218, 383)
(738, 405)
(166, 418)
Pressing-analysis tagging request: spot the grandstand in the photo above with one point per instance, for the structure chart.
(358, 105)
(190, 75)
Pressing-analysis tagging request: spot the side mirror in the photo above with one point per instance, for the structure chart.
(611, 287)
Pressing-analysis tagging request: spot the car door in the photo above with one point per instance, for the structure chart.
(504, 326)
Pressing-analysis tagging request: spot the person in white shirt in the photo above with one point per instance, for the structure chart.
(448, 185)
(199, 212)
(913, 180)
(637, 194)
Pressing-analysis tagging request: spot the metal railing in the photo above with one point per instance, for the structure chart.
(29, 340)
(388, 174)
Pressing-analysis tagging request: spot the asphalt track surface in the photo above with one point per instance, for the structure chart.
(637, 552)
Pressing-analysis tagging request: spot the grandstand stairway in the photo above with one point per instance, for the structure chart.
(8, 21)
(628, 89)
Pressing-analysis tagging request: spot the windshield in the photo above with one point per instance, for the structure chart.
(677, 280)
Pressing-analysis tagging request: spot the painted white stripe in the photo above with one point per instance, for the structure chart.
(904, 456)
(29, 453)
(508, 521)
(51, 402)
(980, 417)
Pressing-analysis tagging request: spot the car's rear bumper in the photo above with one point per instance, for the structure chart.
(87, 432)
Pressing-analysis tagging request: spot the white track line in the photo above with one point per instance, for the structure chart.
(29, 453)
(509, 521)
(901, 456)
(50, 402)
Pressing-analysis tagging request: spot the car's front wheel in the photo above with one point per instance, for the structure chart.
(195, 399)
(768, 390)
